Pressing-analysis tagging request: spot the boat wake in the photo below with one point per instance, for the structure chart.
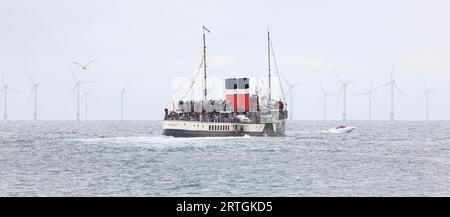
(160, 138)
(161, 142)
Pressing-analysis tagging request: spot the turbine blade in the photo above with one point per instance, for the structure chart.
(320, 100)
(126, 86)
(291, 87)
(43, 82)
(73, 74)
(339, 78)
(421, 97)
(31, 93)
(12, 89)
(287, 82)
(321, 86)
(348, 82)
(86, 94)
(71, 92)
(365, 93)
(29, 78)
(78, 64)
(92, 61)
(383, 85)
(399, 90)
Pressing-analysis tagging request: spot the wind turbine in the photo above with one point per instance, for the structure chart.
(426, 94)
(291, 100)
(371, 97)
(324, 98)
(84, 66)
(5, 87)
(393, 85)
(343, 91)
(122, 96)
(76, 87)
(34, 92)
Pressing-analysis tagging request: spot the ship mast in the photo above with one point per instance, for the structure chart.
(268, 58)
(204, 63)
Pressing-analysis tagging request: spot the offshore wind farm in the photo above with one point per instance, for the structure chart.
(342, 97)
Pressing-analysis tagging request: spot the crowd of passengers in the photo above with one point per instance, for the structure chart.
(230, 117)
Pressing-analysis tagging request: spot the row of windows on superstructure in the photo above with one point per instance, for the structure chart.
(219, 127)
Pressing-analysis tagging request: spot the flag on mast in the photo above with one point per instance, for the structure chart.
(204, 28)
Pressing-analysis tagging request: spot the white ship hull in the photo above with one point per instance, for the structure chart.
(178, 128)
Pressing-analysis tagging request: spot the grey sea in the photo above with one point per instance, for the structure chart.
(132, 158)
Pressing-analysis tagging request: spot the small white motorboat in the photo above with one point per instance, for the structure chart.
(341, 129)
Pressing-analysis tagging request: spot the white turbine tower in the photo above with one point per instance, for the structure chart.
(392, 83)
(76, 87)
(85, 97)
(291, 100)
(34, 92)
(343, 91)
(371, 97)
(324, 99)
(122, 101)
(5, 87)
(426, 94)
(84, 66)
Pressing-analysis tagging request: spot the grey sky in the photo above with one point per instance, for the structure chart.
(149, 43)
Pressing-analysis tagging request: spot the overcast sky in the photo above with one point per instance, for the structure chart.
(156, 44)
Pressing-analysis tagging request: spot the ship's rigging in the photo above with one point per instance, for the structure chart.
(202, 65)
(276, 69)
(195, 78)
(205, 96)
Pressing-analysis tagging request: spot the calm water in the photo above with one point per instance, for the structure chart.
(131, 158)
